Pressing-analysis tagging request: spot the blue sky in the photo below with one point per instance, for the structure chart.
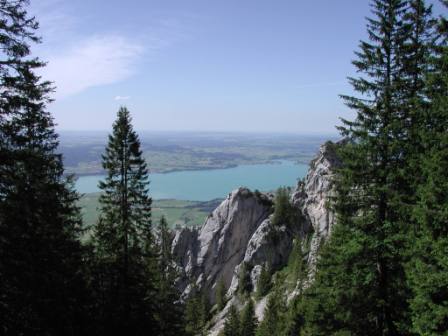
(201, 65)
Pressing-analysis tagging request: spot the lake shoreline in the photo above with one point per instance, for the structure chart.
(208, 184)
(176, 170)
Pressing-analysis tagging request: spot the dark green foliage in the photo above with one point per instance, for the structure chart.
(249, 322)
(124, 272)
(295, 317)
(204, 308)
(264, 281)
(125, 200)
(298, 263)
(361, 287)
(428, 270)
(197, 313)
(221, 295)
(232, 324)
(284, 213)
(429, 281)
(169, 311)
(193, 323)
(418, 25)
(244, 282)
(391, 190)
(273, 322)
(41, 288)
(340, 298)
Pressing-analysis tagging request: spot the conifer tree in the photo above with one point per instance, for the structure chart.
(123, 239)
(264, 281)
(204, 308)
(249, 321)
(273, 322)
(232, 323)
(40, 256)
(429, 268)
(418, 28)
(193, 323)
(283, 211)
(360, 286)
(296, 260)
(221, 295)
(295, 319)
(244, 282)
(196, 314)
(169, 312)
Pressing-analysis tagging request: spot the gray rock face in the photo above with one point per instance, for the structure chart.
(272, 245)
(240, 230)
(269, 245)
(212, 253)
(312, 196)
(185, 249)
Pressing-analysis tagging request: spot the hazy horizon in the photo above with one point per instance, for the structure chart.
(207, 131)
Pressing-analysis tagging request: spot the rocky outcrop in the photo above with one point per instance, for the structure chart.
(269, 245)
(312, 196)
(240, 230)
(272, 244)
(210, 254)
(185, 248)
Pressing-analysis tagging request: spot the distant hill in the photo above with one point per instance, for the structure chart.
(175, 151)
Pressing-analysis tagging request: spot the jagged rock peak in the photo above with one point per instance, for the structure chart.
(312, 197)
(313, 224)
(211, 253)
(240, 230)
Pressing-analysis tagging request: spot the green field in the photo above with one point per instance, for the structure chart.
(177, 213)
(167, 152)
(180, 151)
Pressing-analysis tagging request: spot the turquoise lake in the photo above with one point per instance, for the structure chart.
(205, 185)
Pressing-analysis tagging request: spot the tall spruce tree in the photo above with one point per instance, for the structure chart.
(169, 312)
(197, 313)
(295, 319)
(360, 287)
(249, 321)
(123, 241)
(232, 323)
(273, 321)
(418, 28)
(429, 268)
(193, 323)
(40, 256)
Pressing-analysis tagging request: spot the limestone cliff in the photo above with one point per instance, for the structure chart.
(312, 196)
(211, 253)
(240, 230)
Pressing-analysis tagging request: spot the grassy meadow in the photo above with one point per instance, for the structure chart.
(176, 212)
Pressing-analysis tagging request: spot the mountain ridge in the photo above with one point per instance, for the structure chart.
(241, 231)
